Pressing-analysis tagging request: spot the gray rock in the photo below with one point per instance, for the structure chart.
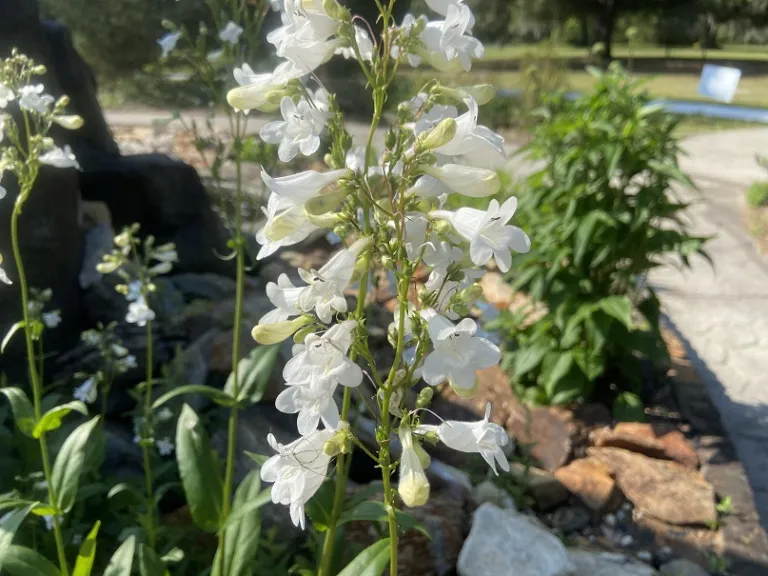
(607, 564)
(488, 492)
(505, 543)
(205, 286)
(682, 567)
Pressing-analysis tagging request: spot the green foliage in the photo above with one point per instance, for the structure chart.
(601, 214)
(757, 194)
(370, 562)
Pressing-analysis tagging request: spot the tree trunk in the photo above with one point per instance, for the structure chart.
(608, 25)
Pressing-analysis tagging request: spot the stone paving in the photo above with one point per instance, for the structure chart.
(721, 311)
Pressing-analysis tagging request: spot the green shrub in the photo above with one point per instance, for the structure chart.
(601, 215)
(757, 195)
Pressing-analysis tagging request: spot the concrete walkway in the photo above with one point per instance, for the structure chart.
(722, 311)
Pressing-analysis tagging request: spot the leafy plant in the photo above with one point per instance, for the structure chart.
(603, 213)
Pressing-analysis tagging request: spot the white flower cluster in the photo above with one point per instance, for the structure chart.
(434, 151)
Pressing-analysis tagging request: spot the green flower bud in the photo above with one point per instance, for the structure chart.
(39, 70)
(273, 333)
(328, 220)
(302, 334)
(471, 293)
(328, 159)
(440, 135)
(324, 203)
(71, 122)
(390, 139)
(167, 24)
(107, 267)
(332, 447)
(341, 230)
(335, 10)
(424, 399)
(442, 226)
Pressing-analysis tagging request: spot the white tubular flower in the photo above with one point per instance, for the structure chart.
(285, 296)
(442, 6)
(231, 33)
(325, 293)
(429, 187)
(51, 319)
(134, 291)
(33, 99)
(261, 91)
(302, 186)
(299, 130)
(3, 275)
(87, 391)
(165, 447)
(2, 135)
(407, 324)
(415, 233)
(364, 45)
(308, 55)
(446, 289)
(60, 158)
(322, 361)
(322, 100)
(168, 42)
(311, 403)
(139, 312)
(466, 180)
(302, 20)
(286, 225)
(297, 471)
(488, 233)
(274, 333)
(458, 354)
(477, 145)
(413, 485)
(483, 437)
(447, 48)
(6, 95)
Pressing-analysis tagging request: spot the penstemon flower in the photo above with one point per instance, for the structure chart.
(387, 212)
(231, 33)
(168, 42)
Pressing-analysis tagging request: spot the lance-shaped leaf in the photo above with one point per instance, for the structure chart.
(69, 465)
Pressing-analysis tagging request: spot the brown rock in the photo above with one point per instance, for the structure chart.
(656, 442)
(496, 291)
(591, 481)
(547, 491)
(665, 490)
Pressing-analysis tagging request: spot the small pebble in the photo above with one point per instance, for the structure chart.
(610, 520)
(626, 541)
(645, 556)
(626, 507)
(664, 553)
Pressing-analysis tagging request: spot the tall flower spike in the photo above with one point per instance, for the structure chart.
(297, 471)
(483, 437)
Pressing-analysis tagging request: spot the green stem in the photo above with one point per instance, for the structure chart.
(33, 374)
(229, 471)
(145, 442)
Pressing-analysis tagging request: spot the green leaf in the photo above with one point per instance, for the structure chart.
(69, 465)
(173, 556)
(21, 561)
(319, 508)
(23, 413)
(15, 328)
(559, 370)
(121, 562)
(51, 420)
(526, 359)
(149, 563)
(219, 396)
(376, 512)
(87, 552)
(253, 374)
(370, 562)
(198, 470)
(258, 458)
(252, 505)
(8, 527)
(590, 363)
(627, 407)
(584, 233)
(618, 307)
(123, 487)
(241, 542)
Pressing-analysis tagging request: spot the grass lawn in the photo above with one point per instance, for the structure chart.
(734, 52)
(752, 91)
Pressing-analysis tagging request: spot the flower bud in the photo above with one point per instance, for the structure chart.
(327, 220)
(273, 333)
(390, 139)
(413, 485)
(62, 102)
(471, 293)
(71, 122)
(107, 267)
(160, 268)
(332, 448)
(335, 10)
(328, 159)
(442, 226)
(424, 399)
(341, 230)
(466, 180)
(123, 239)
(440, 135)
(324, 203)
(167, 24)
